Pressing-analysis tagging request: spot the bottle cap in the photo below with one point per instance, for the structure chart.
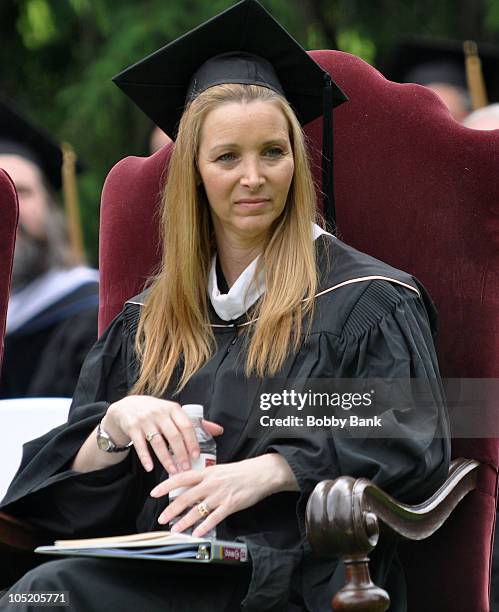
(194, 411)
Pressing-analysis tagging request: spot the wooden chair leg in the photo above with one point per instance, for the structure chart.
(14, 564)
(359, 594)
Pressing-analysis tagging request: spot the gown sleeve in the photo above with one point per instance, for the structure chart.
(45, 491)
(393, 342)
(386, 335)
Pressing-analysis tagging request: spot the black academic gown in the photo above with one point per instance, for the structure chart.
(43, 358)
(367, 328)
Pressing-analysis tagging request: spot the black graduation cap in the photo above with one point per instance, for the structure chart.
(425, 60)
(243, 44)
(19, 136)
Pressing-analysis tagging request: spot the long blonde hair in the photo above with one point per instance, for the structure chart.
(174, 323)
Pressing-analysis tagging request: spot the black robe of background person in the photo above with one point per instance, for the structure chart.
(43, 358)
(374, 328)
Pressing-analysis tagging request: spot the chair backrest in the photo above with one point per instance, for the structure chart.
(419, 191)
(8, 226)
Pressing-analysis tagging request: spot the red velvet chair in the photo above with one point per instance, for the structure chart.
(421, 192)
(15, 537)
(8, 215)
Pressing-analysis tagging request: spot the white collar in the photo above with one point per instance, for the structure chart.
(245, 291)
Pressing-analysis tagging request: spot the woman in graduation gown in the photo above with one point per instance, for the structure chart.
(250, 291)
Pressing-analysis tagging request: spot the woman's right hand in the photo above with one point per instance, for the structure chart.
(136, 416)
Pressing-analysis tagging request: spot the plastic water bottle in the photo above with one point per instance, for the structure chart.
(207, 457)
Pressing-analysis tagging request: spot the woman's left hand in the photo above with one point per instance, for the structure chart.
(224, 489)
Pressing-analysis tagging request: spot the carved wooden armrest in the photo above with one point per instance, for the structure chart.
(19, 535)
(343, 518)
(18, 539)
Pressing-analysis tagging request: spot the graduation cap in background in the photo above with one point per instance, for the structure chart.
(243, 44)
(19, 136)
(470, 66)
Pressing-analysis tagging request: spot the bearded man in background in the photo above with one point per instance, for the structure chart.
(52, 313)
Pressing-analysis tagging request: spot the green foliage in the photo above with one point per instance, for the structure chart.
(492, 15)
(35, 24)
(353, 42)
(61, 55)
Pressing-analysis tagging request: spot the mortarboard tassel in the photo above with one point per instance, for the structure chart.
(327, 154)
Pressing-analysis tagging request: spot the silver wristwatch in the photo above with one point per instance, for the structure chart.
(106, 443)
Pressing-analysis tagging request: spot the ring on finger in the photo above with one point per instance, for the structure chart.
(150, 436)
(203, 509)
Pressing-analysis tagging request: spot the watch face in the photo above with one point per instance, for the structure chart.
(103, 443)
